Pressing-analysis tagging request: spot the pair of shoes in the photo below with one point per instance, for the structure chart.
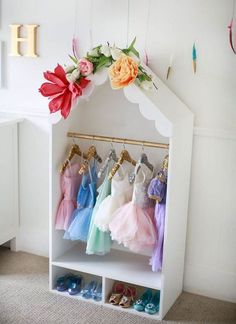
(93, 290)
(122, 296)
(148, 302)
(69, 282)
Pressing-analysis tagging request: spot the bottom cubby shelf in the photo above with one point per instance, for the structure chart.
(107, 289)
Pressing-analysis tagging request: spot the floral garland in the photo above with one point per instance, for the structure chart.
(65, 86)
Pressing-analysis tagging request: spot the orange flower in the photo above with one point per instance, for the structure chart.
(123, 72)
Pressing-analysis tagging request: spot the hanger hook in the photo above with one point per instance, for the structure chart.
(143, 146)
(124, 144)
(73, 140)
(93, 141)
(111, 143)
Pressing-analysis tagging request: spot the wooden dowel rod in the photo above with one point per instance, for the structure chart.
(117, 140)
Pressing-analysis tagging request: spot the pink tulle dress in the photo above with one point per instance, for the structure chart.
(121, 193)
(133, 223)
(70, 182)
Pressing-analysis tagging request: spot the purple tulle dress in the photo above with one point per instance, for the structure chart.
(157, 191)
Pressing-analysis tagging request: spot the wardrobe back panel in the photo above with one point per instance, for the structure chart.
(107, 113)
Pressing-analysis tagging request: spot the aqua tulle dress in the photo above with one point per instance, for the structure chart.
(80, 219)
(99, 242)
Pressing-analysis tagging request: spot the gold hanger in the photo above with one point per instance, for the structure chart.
(162, 174)
(165, 163)
(75, 150)
(124, 156)
(92, 153)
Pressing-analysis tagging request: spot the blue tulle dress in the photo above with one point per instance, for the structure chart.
(80, 219)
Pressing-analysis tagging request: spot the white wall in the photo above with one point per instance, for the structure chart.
(173, 27)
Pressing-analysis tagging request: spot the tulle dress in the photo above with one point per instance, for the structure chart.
(99, 242)
(157, 191)
(70, 181)
(80, 219)
(133, 223)
(121, 193)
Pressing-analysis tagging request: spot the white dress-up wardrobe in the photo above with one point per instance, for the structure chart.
(133, 113)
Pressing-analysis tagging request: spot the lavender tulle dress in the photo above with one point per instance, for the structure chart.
(157, 191)
(70, 181)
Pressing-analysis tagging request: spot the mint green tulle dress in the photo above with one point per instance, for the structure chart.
(99, 242)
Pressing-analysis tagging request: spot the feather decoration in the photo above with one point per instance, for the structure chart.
(232, 30)
(75, 48)
(231, 35)
(194, 57)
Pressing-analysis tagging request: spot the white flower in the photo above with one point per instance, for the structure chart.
(76, 74)
(94, 52)
(105, 49)
(146, 85)
(72, 77)
(69, 69)
(115, 53)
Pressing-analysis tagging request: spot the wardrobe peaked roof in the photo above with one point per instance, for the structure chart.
(161, 105)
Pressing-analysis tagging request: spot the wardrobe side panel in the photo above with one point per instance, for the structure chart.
(176, 212)
(9, 219)
(59, 147)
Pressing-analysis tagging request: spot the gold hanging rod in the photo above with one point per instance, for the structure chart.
(117, 140)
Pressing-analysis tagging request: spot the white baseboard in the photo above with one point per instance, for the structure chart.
(210, 282)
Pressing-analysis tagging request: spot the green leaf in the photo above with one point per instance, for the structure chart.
(143, 72)
(141, 77)
(103, 61)
(73, 59)
(93, 59)
(132, 43)
(134, 51)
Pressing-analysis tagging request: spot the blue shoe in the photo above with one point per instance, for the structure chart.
(88, 291)
(153, 306)
(97, 293)
(141, 303)
(63, 282)
(74, 285)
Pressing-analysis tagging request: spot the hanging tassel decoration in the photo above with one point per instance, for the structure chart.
(169, 68)
(194, 57)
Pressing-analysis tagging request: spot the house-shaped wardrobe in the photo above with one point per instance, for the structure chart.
(134, 113)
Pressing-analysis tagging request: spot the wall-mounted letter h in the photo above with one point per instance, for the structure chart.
(30, 40)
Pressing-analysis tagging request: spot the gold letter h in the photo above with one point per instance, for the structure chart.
(30, 40)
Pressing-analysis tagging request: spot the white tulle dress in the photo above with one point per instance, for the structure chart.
(133, 223)
(121, 193)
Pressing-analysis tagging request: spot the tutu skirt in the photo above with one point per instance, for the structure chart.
(79, 227)
(65, 210)
(134, 227)
(105, 212)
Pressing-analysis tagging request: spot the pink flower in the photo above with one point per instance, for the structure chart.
(85, 66)
(61, 92)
